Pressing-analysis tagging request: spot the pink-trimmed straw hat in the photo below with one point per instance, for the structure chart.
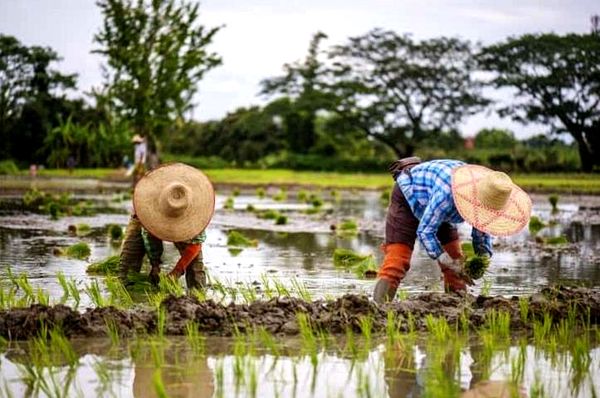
(489, 200)
(174, 202)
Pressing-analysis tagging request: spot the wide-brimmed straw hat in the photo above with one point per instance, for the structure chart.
(174, 202)
(137, 139)
(489, 200)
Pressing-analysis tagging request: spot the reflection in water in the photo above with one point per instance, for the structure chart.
(146, 367)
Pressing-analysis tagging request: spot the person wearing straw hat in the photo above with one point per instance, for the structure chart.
(427, 201)
(174, 203)
(140, 152)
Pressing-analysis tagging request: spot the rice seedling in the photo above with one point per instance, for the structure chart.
(268, 214)
(517, 364)
(282, 290)
(281, 195)
(115, 232)
(268, 291)
(301, 290)
(268, 341)
(486, 287)
(42, 297)
(309, 340)
(535, 225)
(80, 251)
(537, 389)
(524, 309)
(347, 228)
(402, 294)
(228, 205)
(542, 329)
(237, 239)
(235, 192)
(119, 296)
(252, 377)
(161, 322)
(170, 286)
(74, 292)
(195, 340)
(363, 266)
(302, 196)
(464, 321)
(366, 328)
(260, 192)
(498, 323)
(250, 208)
(60, 347)
(316, 201)
(553, 199)
(7, 298)
(108, 266)
(95, 295)
(220, 378)
(248, 292)
(437, 327)
(113, 332)
(556, 240)
(157, 383)
(22, 283)
(83, 229)
(281, 220)
(62, 281)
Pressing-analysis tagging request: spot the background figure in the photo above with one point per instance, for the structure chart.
(140, 153)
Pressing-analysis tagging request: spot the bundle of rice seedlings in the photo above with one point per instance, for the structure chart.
(237, 239)
(362, 265)
(347, 227)
(108, 266)
(475, 265)
(79, 251)
(115, 232)
(535, 225)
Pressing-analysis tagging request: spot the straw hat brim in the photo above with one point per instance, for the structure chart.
(192, 220)
(509, 220)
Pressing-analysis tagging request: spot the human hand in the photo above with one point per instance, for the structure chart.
(456, 265)
(154, 275)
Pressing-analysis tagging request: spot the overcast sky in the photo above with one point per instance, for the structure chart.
(260, 36)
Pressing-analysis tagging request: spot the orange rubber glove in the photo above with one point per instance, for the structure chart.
(188, 255)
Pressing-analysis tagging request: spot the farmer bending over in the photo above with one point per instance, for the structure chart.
(174, 203)
(428, 199)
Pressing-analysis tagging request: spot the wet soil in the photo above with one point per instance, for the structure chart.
(279, 316)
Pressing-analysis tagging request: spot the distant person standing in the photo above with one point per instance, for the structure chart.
(140, 153)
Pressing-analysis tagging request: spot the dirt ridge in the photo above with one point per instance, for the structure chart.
(279, 315)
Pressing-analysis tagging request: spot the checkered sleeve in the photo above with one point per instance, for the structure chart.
(434, 214)
(482, 242)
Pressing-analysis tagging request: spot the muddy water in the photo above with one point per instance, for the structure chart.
(303, 248)
(418, 369)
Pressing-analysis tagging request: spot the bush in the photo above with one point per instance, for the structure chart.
(8, 167)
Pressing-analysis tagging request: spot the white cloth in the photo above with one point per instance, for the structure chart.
(140, 152)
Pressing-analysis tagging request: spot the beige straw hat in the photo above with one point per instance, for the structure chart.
(489, 200)
(137, 139)
(174, 202)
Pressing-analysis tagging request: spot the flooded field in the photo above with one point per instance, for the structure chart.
(522, 347)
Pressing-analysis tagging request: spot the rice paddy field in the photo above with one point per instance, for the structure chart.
(287, 311)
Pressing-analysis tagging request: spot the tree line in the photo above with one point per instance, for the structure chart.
(355, 104)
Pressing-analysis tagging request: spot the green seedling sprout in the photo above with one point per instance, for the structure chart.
(195, 340)
(62, 280)
(541, 329)
(83, 229)
(363, 266)
(498, 323)
(301, 290)
(237, 239)
(347, 228)
(80, 251)
(161, 322)
(556, 240)
(220, 378)
(438, 327)
(309, 340)
(250, 208)
(113, 332)
(74, 292)
(235, 192)
(157, 383)
(553, 199)
(115, 232)
(228, 205)
(302, 196)
(95, 295)
(118, 294)
(280, 196)
(535, 225)
(268, 214)
(260, 192)
(109, 266)
(524, 309)
(486, 287)
(281, 220)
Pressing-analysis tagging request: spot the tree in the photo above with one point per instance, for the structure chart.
(32, 97)
(495, 139)
(304, 83)
(557, 83)
(156, 54)
(400, 91)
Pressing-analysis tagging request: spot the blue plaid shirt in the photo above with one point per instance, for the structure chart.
(427, 188)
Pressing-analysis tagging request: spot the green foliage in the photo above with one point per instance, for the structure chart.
(237, 239)
(553, 199)
(475, 266)
(555, 78)
(115, 232)
(401, 91)
(268, 214)
(361, 265)
(156, 53)
(228, 205)
(495, 139)
(281, 220)
(535, 225)
(347, 227)
(556, 240)
(8, 167)
(108, 266)
(83, 229)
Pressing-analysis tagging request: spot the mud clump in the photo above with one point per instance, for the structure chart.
(279, 315)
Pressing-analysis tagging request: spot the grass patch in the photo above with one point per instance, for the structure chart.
(237, 239)
(362, 265)
(109, 266)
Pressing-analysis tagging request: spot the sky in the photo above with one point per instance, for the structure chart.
(259, 36)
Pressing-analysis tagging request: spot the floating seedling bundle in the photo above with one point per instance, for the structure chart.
(362, 265)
